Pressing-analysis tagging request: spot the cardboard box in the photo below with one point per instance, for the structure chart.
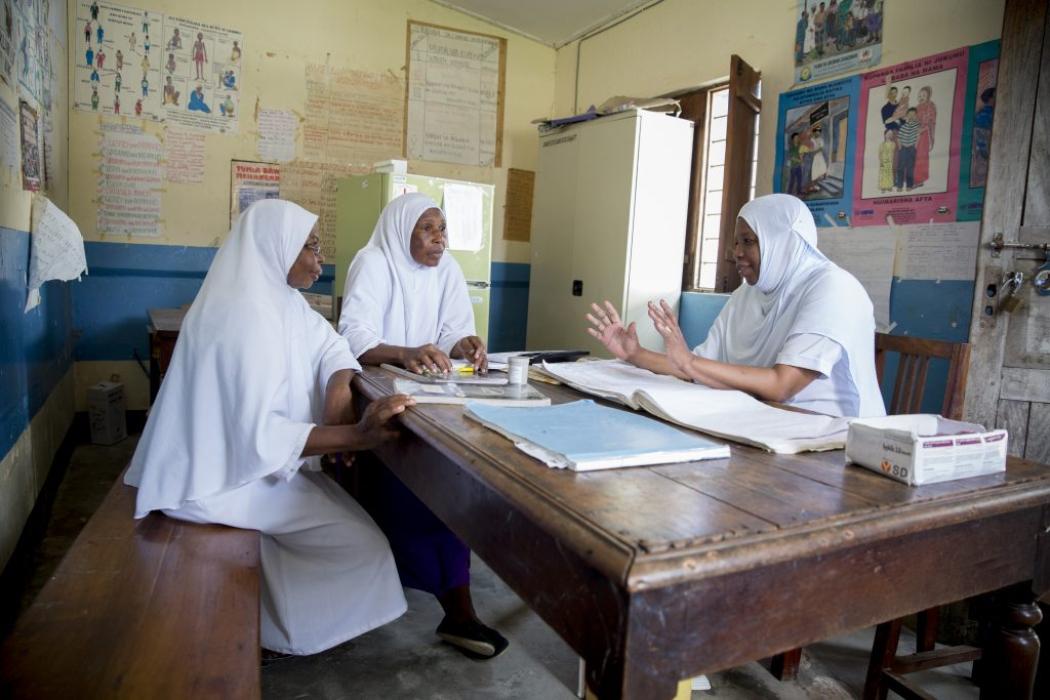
(106, 413)
(925, 449)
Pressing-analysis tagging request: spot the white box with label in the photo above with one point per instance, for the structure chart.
(924, 448)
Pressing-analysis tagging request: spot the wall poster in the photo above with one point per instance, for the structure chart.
(836, 37)
(908, 144)
(816, 137)
(32, 163)
(454, 103)
(251, 181)
(977, 128)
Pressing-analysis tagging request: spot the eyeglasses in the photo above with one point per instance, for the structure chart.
(315, 248)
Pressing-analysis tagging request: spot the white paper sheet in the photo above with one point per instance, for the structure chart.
(464, 217)
(938, 251)
(8, 139)
(56, 248)
(184, 156)
(868, 254)
(277, 128)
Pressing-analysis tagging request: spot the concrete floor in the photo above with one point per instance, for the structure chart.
(405, 660)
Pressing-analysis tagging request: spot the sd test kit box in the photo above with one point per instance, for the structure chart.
(924, 449)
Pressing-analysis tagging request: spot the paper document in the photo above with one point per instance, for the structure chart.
(938, 251)
(56, 248)
(733, 415)
(583, 436)
(868, 254)
(464, 214)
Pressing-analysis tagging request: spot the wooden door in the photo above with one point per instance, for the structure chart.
(1009, 383)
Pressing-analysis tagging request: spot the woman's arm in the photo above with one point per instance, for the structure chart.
(428, 357)
(778, 383)
(375, 427)
(622, 341)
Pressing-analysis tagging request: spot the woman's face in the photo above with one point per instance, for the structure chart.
(429, 240)
(746, 252)
(307, 267)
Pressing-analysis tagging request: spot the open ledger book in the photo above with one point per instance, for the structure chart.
(729, 414)
(583, 436)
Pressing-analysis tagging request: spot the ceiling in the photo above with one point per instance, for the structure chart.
(551, 22)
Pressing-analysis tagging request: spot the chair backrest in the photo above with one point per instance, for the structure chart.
(915, 356)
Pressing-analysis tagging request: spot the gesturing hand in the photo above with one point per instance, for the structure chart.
(376, 425)
(472, 349)
(607, 327)
(666, 324)
(429, 358)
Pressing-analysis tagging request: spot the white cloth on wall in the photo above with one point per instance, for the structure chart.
(391, 299)
(800, 292)
(224, 438)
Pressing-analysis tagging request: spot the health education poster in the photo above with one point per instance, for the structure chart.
(32, 165)
(836, 37)
(907, 164)
(815, 148)
(251, 181)
(977, 128)
(138, 63)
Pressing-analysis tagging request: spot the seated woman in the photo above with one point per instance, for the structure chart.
(258, 387)
(800, 331)
(406, 303)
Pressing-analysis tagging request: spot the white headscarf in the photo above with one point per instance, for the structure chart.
(389, 298)
(798, 291)
(246, 381)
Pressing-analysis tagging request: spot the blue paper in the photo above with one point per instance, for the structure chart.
(584, 432)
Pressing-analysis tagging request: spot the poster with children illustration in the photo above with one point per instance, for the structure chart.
(977, 128)
(115, 69)
(201, 68)
(908, 143)
(815, 147)
(836, 36)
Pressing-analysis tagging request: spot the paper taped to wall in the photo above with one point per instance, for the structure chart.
(56, 248)
(868, 254)
(464, 214)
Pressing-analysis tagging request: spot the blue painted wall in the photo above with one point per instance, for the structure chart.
(36, 347)
(127, 279)
(509, 311)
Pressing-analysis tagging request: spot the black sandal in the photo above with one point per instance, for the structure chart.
(472, 638)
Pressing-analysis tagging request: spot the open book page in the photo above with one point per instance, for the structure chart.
(733, 415)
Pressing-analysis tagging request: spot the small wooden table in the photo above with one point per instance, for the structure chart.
(164, 326)
(658, 574)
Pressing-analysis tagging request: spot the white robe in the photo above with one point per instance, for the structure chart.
(803, 311)
(224, 438)
(391, 299)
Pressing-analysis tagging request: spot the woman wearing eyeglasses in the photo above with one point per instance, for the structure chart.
(257, 390)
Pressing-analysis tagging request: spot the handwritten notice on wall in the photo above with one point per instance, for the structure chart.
(184, 156)
(353, 117)
(517, 212)
(455, 95)
(277, 128)
(130, 181)
(868, 254)
(313, 186)
(938, 251)
(249, 182)
(8, 139)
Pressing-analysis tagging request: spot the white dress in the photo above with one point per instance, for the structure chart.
(223, 441)
(819, 168)
(811, 37)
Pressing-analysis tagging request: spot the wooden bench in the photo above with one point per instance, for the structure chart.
(151, 608)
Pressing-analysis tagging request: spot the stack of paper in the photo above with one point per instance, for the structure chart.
(729, 414)
(583, 436)
(455, 393)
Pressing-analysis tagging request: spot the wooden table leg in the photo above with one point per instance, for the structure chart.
(1008, 669)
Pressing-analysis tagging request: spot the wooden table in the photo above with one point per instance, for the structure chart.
(657, 574)
(164, 327)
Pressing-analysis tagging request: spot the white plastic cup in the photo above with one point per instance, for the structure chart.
(518, 370)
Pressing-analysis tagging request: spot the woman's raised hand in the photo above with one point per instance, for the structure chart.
(607, 327)
(377, 425)
(427, 358)
(666, 324)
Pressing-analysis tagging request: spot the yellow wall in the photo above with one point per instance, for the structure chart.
(685, 43)
(280, 39)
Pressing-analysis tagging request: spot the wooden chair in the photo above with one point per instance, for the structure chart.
(909, 387)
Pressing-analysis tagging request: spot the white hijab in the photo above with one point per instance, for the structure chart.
(391, 299)
(246, 381)
(798, 291)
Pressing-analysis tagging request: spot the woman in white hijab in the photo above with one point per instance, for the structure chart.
(800, 331)
(406, 303)
(258, 387)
